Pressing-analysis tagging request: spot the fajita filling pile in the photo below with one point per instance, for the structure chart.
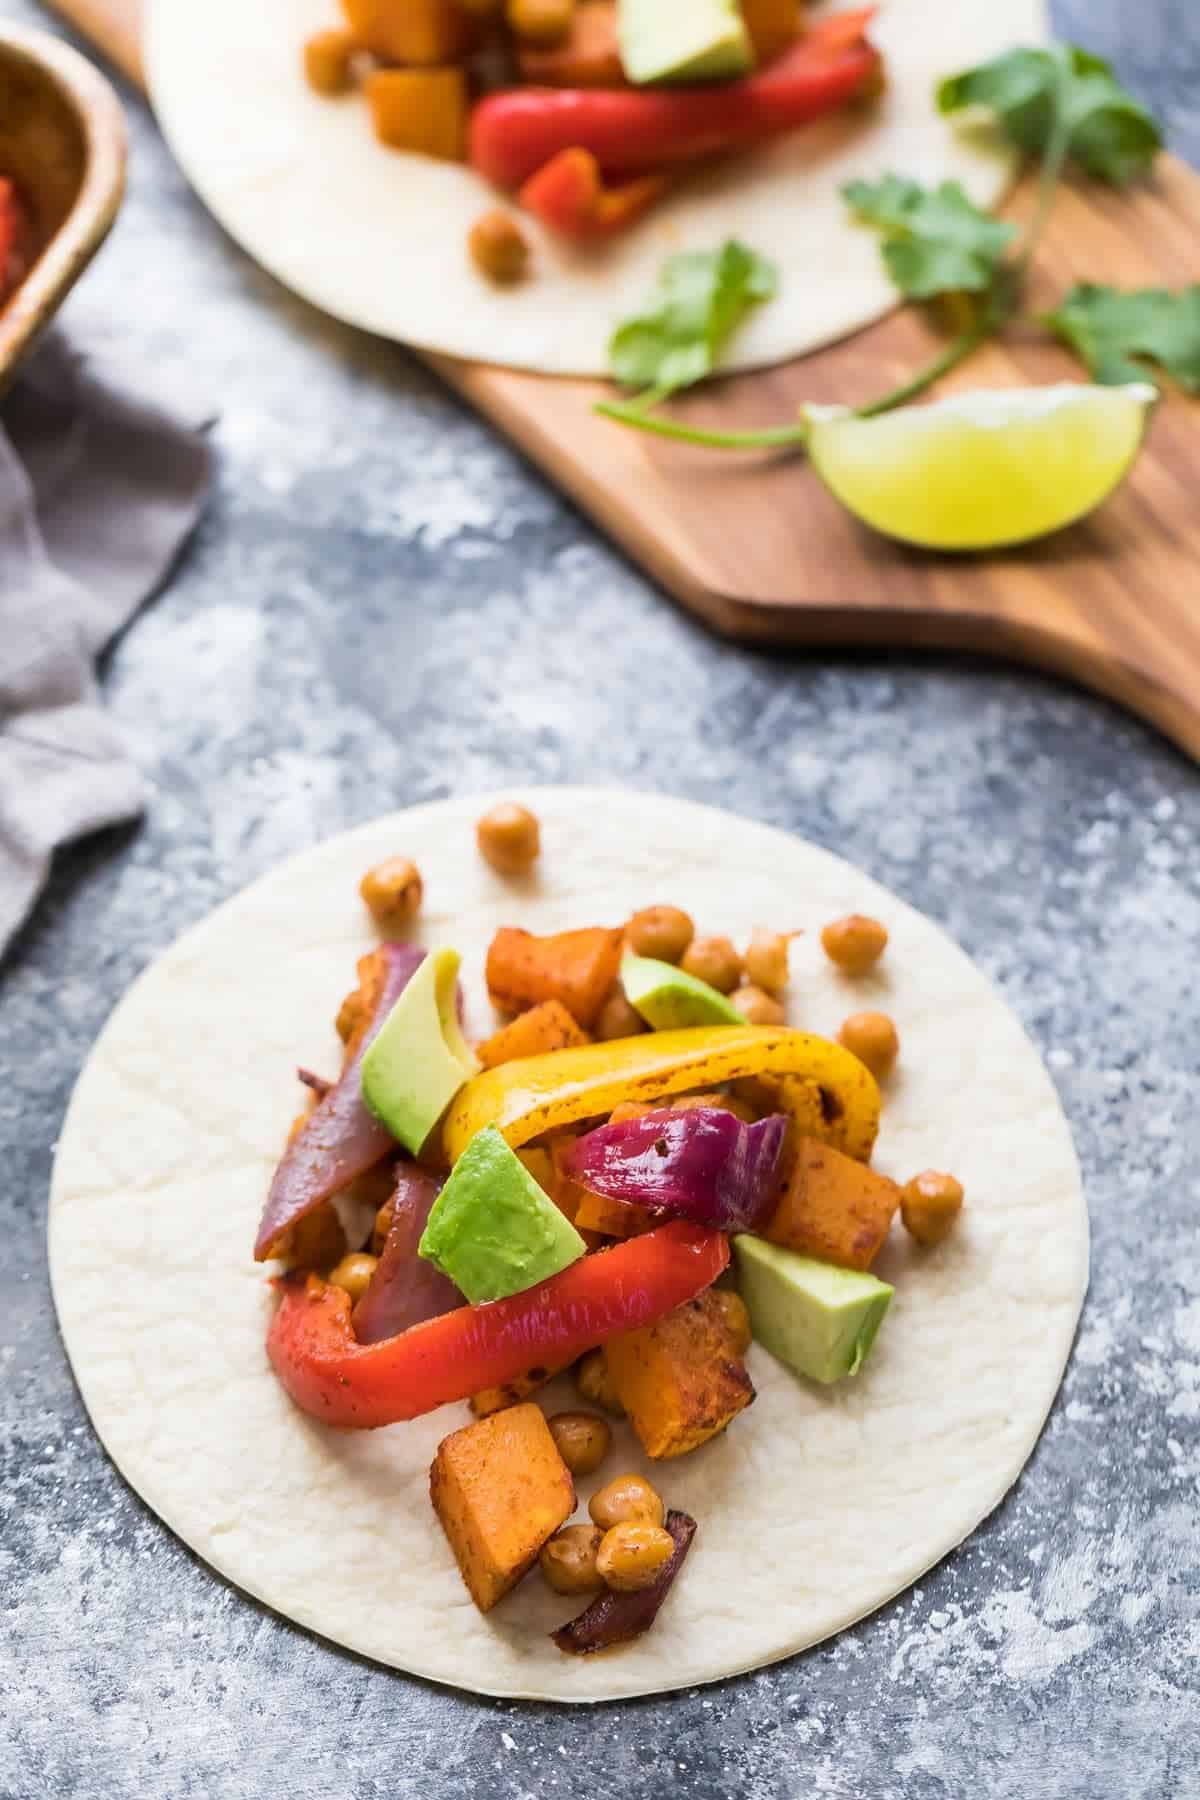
(641, 1171)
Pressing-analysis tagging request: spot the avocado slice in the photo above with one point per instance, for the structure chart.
(682, 40)
(419, 1058)
(492, 1229)
(670, 1000)
(818, 1319)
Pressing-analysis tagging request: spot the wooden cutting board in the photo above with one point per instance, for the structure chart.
(759, 550)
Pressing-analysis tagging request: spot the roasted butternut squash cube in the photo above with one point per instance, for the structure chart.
(563, 1189)
(424, 110)
(681, 1380)
(357, 1009)
(540, 1165)
(421, 32)
(543, 1028)
(772, 25)
(613, 1218)
(833, 1207)
(589, 55)
(495, 1399)
(576, 967)
(633, 1109)
(718, 1102)
(500, 1489)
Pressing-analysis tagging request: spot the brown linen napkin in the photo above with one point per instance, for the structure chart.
(98, 491)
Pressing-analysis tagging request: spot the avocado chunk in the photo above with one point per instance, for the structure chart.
(492, 1230)
(818, 1319)
(419, 1058)
(670, 1000)
(682, 40)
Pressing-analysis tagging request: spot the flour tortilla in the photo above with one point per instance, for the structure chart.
(817, 1504)
(378, 237)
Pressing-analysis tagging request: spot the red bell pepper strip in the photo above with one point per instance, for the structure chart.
(517, 131)
(568, 196)
(329, 1374)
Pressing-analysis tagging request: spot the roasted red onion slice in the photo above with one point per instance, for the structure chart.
(405, 1289)
(615, 1618)
(340, 1140)
(703, 1164)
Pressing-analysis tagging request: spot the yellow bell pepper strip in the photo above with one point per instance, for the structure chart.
(829, 1093)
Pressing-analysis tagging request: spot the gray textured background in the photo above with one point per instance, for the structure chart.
(382, 605)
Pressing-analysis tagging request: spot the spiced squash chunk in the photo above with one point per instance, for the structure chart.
(501, 1490)
(682, 1380)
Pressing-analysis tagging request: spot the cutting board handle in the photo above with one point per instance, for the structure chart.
(115, 27)
(1112, 605)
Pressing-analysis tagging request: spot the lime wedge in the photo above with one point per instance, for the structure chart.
(981, 470)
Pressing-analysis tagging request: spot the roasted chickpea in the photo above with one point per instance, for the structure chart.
(626, 1499)
(329, 61)
(663, 932)
(498, 247)
(713, 959)
(871, 1036)
(758, 1008)
(766, 959)
(736, 1319)
(353, 1275)
(392, 891)
(593, 1381)
(854, 943)
(617, 1019)
(632, 1556)
(540, 21)
(583, 1440)
(929, 1205)
(509, 838)
(568, 1560)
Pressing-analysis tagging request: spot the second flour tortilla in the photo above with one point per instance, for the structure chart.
(814, 1507)
(378, 237)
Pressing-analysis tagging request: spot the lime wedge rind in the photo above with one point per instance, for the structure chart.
(983, 470)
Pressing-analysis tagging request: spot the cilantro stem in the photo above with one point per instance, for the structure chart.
(651, 396)
(776, 437)
(955, 352)
(791, 437)
(1055, 155)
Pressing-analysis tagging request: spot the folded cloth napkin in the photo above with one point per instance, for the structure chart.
(98, 490)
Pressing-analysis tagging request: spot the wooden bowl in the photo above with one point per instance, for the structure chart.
(62, 140)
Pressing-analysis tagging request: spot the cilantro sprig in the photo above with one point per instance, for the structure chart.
(935, 240)
(1040, 96)
(1064, 108)
(701, 298)
(1110, 330)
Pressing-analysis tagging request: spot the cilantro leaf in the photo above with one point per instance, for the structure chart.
(936, 240)
(1109, 329)
(701, 298)
(1035, 92)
